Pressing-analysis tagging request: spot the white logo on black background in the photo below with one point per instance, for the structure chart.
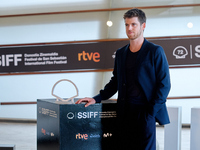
(70, 115)
(113, 56)
(89, 115)
(180, 52)
(106, 135)
(197, 50)
(10, 59)
(82, 115)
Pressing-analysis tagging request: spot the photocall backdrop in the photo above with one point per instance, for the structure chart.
(96, 55)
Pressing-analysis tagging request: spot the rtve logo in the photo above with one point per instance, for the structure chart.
(89, 56)
(81, 136)
(7, 60)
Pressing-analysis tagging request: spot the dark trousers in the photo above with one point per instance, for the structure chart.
(137, 129)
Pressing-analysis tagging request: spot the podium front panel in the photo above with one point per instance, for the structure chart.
(75, 127)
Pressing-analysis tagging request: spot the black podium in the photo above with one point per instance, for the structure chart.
(75, 127)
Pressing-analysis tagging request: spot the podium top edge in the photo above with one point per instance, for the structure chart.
(75, 99)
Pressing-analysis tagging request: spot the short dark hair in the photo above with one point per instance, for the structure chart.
(136, 13)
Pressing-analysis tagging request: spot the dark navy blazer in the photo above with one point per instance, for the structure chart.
(152, 74)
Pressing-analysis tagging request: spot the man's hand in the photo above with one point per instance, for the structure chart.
(89, 101)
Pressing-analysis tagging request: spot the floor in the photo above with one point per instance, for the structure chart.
(23, 135)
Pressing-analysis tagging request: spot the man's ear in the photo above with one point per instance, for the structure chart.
(143, 26)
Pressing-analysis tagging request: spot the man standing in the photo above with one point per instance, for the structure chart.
(141, 77)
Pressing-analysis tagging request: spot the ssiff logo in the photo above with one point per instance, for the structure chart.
(82, 115)
(180, 52)
(7, 60)
(70, 115)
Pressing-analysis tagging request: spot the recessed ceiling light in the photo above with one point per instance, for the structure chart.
(109, 23)
(190, 25)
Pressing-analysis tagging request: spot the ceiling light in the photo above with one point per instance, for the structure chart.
(190, 25)
(109, 23)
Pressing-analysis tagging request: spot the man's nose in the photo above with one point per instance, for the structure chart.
(129, 27)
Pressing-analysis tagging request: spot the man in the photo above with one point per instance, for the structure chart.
(141, 77)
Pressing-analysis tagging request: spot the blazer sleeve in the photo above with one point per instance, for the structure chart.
(111, 87)
(163, 85)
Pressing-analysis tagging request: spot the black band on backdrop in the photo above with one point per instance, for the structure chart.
(96, 55)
